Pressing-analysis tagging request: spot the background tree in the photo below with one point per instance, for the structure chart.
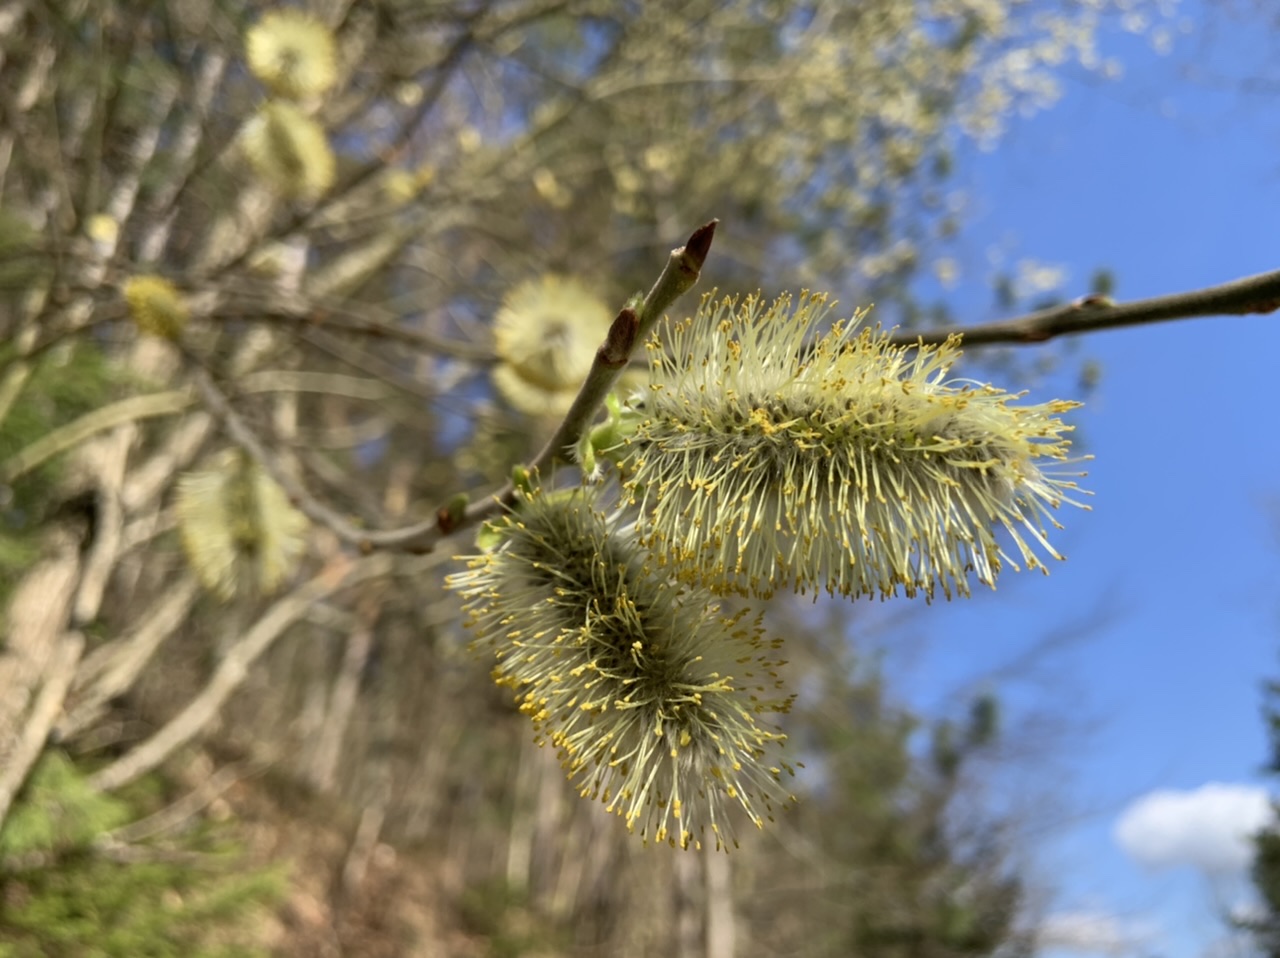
(1264, 928)
(250, 258)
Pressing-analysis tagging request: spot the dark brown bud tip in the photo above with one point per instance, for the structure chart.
(699, 244)
(444, 519)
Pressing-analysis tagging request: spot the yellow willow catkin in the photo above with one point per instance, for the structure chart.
(651, 696)
(239, 532)
(293, 54)
(763, 457)
(156, 306)
(289, 151)
(546, 334)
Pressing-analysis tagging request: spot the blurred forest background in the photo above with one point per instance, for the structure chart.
(224, 728)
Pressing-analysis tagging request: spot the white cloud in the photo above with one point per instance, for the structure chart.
(1207, 827)
(1092, 933)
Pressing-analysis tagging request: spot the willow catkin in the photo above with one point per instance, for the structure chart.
(767, 455)
(653, 697)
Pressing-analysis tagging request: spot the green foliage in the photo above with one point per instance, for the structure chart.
(903, 873)
(1265, 873)
(60, 813)
(62, 895)
(1265, 870)
(65, 383)
(505, 918)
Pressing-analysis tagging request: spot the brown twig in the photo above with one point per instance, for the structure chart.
(243, 436)
(1253, 294)
(177, 813)
(678, 276)
(234, 666)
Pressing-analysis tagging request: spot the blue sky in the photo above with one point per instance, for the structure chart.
(1171, 578)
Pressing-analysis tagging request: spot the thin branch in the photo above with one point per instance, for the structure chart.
(678, 276)
(363, 844)
(234, 667)
(339, 318)
(684, 265)
(243, 436)
(1253, 294)
(66, 437)
(325, 757)
(179, 812)
(112, 669)
(391, 375)
(36, 726)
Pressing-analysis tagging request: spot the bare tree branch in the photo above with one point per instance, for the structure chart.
(243, 436)
(182, 810)
(234, 667)
(127, 410)
(677, 277)
(56, 679)
(1253, 294)
(111, 670)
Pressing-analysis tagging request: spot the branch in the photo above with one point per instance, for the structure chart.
(181, 811)
(1253, 294)
(112, 669)
(244, 437)
(677, 277)
(335, 317)
(44, 713)
(147, 405)
(234, 667)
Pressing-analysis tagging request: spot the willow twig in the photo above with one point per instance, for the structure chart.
(678, 276)
(1091, 314)
(243, 436)
(631, 325)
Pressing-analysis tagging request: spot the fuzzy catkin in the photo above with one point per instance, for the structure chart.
(546, 334)
(240, 534)
(293, 54)
(651, 696)
(766, 456)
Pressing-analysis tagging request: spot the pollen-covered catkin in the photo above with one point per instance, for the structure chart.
(238, 529)
(768, 455)
(545, 335)
(653, 698)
